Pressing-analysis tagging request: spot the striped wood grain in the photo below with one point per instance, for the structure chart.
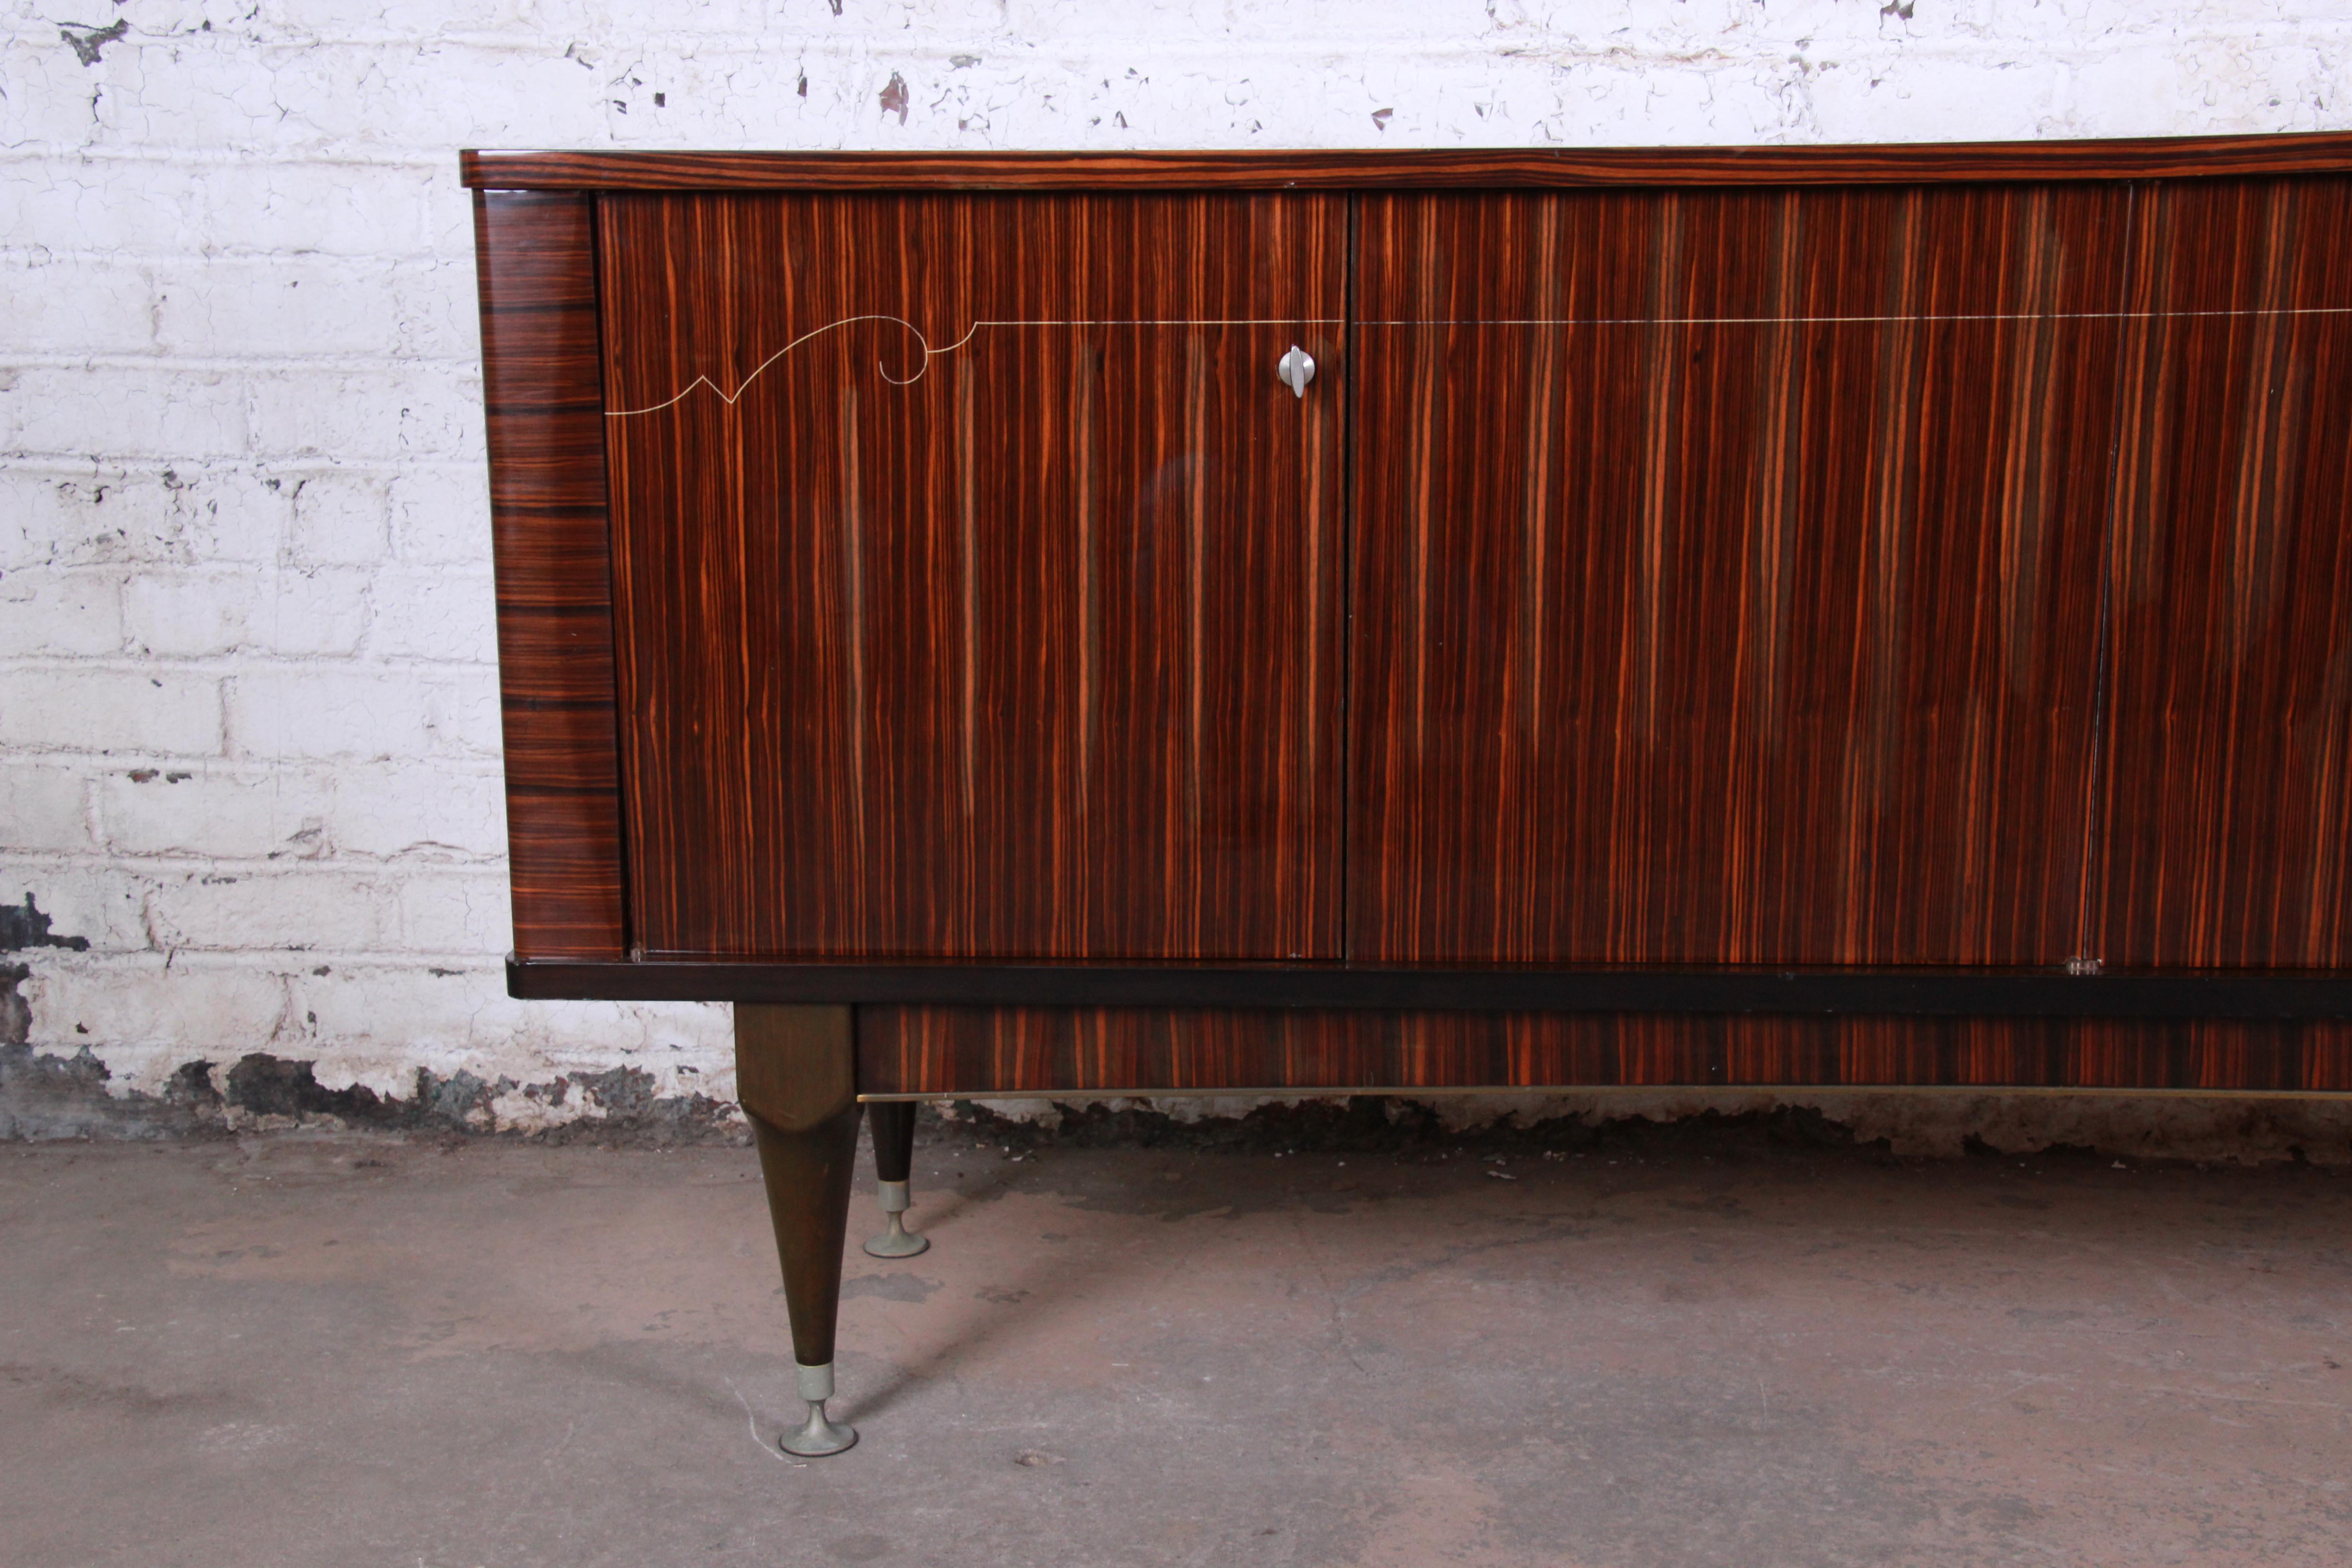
(2226, 824)
(1693, 624)
(541, 387)
(1026, 646)
(984, 1051)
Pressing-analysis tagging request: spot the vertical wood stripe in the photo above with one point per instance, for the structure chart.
(982, 1050)
(545, 398)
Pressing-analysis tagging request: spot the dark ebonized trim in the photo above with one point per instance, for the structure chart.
(1946, 993)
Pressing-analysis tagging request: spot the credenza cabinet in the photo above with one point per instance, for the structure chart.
(1167, 622)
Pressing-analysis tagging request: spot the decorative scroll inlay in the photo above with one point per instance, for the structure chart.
(930, 353)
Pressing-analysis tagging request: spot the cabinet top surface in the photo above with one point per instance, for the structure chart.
(2163, 157)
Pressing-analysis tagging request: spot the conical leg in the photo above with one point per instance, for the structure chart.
(807, 1176)
(893, 1162)
(795, 1078)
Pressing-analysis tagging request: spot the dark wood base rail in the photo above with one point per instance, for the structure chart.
(1359, 622)
(1884, 993)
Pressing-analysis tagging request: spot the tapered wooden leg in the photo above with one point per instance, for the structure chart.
(808, 1175)
(894, 1162)
(795, 1077)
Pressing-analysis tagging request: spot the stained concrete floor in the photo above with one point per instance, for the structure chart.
(359, 1350)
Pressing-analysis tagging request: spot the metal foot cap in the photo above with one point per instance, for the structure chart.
(898, 1241)
(820, 1437)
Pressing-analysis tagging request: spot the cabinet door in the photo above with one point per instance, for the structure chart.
(976, 577)
(2227, 834)
(1726, 573)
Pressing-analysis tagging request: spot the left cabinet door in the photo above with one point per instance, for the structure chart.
(975, 575)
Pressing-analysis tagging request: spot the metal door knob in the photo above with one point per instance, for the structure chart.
(1297, 369)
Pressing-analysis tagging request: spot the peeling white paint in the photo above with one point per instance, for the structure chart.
(248, 742)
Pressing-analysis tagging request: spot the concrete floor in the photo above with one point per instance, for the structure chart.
(361, 1350)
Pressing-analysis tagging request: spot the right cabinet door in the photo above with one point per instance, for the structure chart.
(2226, 778)
(1726, 576)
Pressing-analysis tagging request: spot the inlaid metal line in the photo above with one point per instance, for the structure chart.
(930, 353)
(1961, 316)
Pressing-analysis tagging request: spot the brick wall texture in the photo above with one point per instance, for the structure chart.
(248, 738)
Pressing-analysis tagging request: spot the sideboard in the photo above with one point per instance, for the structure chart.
(1165, 623)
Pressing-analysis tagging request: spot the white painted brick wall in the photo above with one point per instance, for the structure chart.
(249, 729)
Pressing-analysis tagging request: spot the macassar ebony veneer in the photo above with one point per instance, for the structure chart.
(1361, 622)
(1000, 616)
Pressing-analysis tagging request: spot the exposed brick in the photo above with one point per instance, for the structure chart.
(451, 1012)
(136, 206)
(55, 708)
(215, 810)
(51, 612)
(277, 306)
(458, 913)
(78, 514)
(425, 1010)
(102, 411)
(199, 612)
(283, 909)
(216, 1010)
(466, 716)
(324, 712)
(438, 615)
(410, 411)
(229, 513)
(340, 518)
(45, 808)
(101, 904)
(441, 514)
(114, 306)
(437, 810)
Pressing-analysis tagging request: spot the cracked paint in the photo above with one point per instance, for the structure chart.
(87, 42)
